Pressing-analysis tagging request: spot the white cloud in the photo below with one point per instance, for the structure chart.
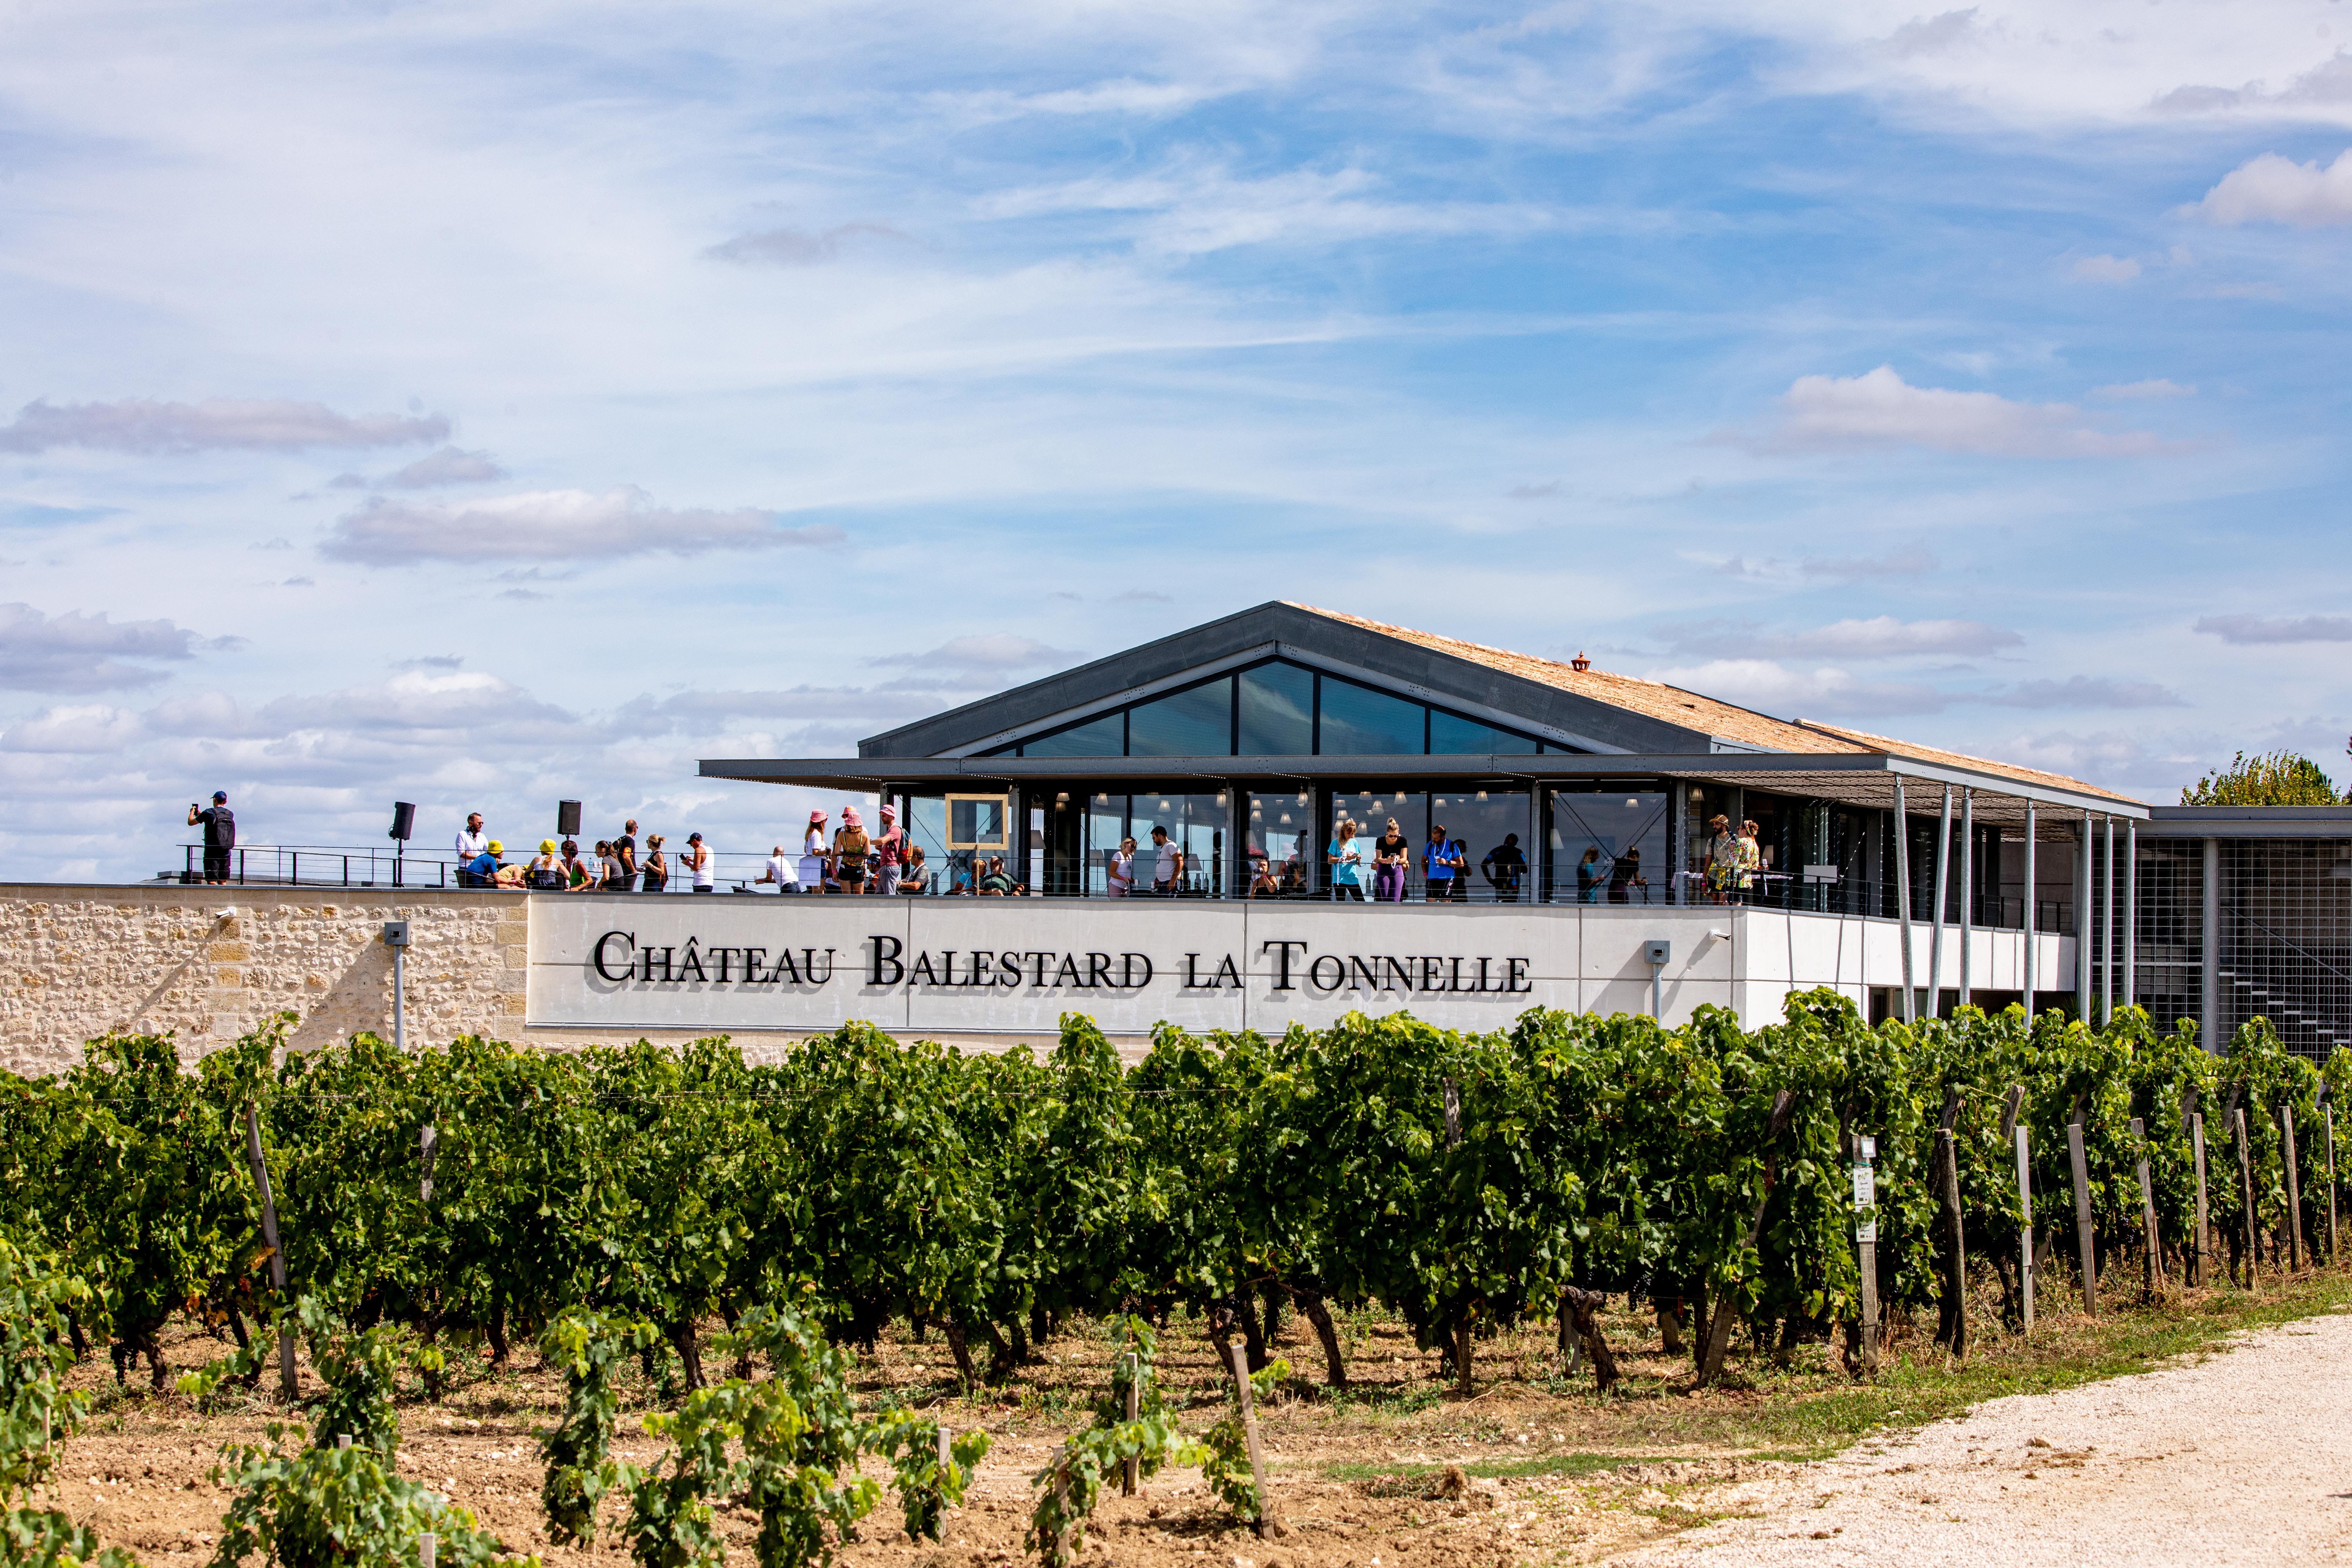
(1880, 636)
(139, 425)
(2324, 87)
(2259, 629)
(982, 650)
(2273, 189)
(552, 525)
(797, 248)
(2086, 691)
(2145, 389)
(1822, 692)
(424, 704)
(2105, 269)
(74, 652)
(447, 467)
(1827, 412)
(91, 730)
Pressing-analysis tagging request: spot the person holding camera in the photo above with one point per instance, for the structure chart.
(220, 834)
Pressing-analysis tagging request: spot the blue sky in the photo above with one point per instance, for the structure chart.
(481, 405)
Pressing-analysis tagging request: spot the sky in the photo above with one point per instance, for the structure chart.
(488, 405)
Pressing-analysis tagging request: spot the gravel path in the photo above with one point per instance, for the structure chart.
(2245, 1457)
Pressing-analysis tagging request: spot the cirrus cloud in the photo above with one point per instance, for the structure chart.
(1829, 413)
(2277, 629)
(552, 525)
(251, 424)
(1879, 636)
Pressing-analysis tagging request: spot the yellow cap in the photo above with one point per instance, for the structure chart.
(496, 846)
(547, 846)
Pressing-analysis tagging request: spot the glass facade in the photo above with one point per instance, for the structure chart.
(1276, 710)
(1609, 847)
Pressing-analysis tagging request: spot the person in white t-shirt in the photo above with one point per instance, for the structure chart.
(1119, 869)
(781, 871)
(471, 844)
(815, 848)
(1167, 864)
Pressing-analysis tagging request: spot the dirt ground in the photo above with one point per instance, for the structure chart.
(1395, 1471)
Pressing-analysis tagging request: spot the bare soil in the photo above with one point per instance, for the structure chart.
(1393, 1470)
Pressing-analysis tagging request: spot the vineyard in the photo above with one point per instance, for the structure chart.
(742, 1235)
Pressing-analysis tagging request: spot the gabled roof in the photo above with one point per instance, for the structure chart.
(1594, 708)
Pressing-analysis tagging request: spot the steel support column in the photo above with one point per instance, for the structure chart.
(2028, 920)
(2083, 921)
(1903, 900)
(1935, 931)
(1967, 882)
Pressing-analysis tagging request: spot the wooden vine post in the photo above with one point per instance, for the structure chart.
(1462, 1327)
(2155, 1264)
(287, 1384)
(1134, 1409)
(1952, 1314)
(2332, 1184)
(1727, 1309)
(1265, 1524)
(2201, 1238)
(1865, 1248)
(2246, 1196)
(2013, 1131)
(2294, 1191)
(2084, 1245)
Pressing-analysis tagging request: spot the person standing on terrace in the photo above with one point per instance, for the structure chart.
(220, 834)
(1346, 862)
(1391, 854)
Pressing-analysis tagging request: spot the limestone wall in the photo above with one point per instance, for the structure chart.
(206, 964)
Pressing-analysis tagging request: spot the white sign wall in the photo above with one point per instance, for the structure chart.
(737, 963)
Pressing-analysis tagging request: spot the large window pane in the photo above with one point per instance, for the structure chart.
(1103, 737)
(1452, 735)
(1194, 723)
(1608, 849)
(1197, 825)
(1361, 723)
(1277, 711)
(1491, 825)
(1282, 840)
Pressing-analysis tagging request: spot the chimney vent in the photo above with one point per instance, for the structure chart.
(1580, 663)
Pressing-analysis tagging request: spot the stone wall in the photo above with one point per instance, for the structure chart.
(207, 964)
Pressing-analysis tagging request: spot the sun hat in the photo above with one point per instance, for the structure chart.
(495, 847)
(547, 846)
(889, 813)
(815, 818)
(849, 819)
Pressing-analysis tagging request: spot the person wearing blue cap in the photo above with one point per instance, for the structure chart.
(220, 834)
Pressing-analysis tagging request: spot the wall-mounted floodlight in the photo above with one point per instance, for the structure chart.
(395, 937)
(1657, 954)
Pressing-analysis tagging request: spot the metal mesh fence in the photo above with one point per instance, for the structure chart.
(2168, 909)
(2284, 940)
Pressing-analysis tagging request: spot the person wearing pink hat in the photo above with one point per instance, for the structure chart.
(850, 849)
(813, 855)
(890, 846)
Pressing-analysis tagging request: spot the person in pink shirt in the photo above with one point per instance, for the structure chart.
(889, 849)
